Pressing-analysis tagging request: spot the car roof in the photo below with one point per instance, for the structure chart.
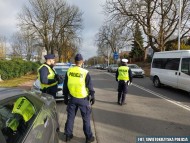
(132, 64)
(10, 92)
(63, 66)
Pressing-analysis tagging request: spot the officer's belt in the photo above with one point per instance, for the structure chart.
(87, 97)
(124, 80)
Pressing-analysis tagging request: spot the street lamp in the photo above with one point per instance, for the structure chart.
(179, 25)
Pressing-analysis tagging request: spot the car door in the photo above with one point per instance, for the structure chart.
(44, 127)
(170, 72)
(16, 117)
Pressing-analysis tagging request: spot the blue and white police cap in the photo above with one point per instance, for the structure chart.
(49, 56)
(124, 60)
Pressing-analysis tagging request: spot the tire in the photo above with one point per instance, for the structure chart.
(156, 82)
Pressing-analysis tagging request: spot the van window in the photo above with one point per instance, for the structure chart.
(158, 63)
(172, 64)
(166, 63)
(185, 66)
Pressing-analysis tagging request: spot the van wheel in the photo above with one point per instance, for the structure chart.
(156, 82)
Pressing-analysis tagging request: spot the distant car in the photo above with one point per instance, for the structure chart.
(112, 67)
(27, 117)
(97, 66)
(60, 69)
(136, 70)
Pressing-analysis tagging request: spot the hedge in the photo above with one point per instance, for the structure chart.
(16, 68)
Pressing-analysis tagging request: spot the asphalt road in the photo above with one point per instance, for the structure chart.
(149, 111)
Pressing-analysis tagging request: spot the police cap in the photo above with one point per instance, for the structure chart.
(49, 56)
(124, 60)
(78, 57)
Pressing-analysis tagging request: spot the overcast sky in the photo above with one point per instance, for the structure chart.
(93, 18)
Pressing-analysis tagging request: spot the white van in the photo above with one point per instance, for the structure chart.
(171, 68)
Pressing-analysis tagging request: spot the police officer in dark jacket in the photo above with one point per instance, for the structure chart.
(124, 78)
(79, 93)
(47, 76)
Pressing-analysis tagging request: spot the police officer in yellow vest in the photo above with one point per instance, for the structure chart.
(47, 76)
(79, 93)
(124, 78)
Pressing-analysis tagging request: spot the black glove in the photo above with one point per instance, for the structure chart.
(92, 100)
(58, 78)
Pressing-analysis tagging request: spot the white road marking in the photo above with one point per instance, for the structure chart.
(164, 97)
(160, 96)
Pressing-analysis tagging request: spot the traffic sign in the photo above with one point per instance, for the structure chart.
(115, 55)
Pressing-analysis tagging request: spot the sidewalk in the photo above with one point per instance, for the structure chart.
(79, 136)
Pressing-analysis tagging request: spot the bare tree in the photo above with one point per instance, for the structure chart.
(23, 45)
(2, 47)
(111, 38)
(68, 36)
(158, 18)
(51, 21)
(16, 44)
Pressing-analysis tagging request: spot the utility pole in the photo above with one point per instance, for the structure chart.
(179, 25)
(108, 57)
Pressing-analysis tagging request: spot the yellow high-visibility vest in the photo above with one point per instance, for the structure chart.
(23, 107)
(76, 82)
(13, 124)
(51, 75)
(123, 73)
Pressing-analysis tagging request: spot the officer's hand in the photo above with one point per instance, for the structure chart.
(92, 101)
(129, 83)
(58, 78)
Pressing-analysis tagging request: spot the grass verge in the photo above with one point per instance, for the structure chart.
(17, 81)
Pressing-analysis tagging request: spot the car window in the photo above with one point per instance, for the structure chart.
(16, 117)
(133, 66)
(61, 71)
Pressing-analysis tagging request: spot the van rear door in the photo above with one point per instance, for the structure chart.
(184, 74)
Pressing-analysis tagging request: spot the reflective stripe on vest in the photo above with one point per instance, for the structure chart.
(123, 73)
(23, 107)
(51, 75)
(76, 82)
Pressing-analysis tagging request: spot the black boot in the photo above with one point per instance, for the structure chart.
(123, 102)
(119, 98)
(68, 137)
(90, 140)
